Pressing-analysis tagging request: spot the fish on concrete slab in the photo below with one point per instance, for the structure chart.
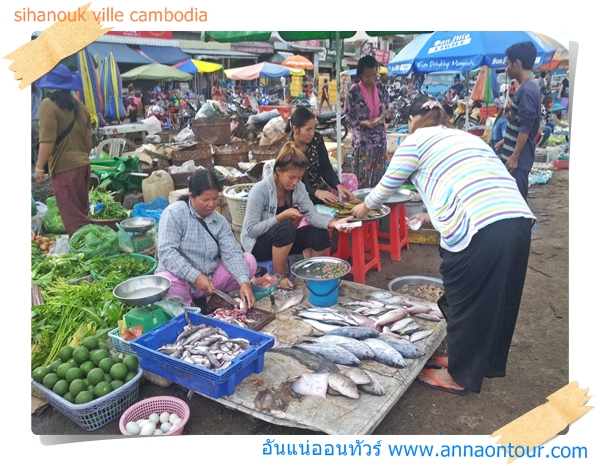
(334, 353)
(358, 333)
(420, 335)
(385, 354)
(373, 388)
(356, 347)
(359, 376)
(403, 346)
(343, 384)
(312, 384)
(314, 362)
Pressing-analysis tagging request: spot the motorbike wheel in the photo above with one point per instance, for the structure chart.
(333, 134)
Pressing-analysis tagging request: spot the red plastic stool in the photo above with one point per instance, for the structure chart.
(398, 235)
(363, 253)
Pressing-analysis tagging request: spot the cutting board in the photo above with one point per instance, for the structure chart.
(260, 318)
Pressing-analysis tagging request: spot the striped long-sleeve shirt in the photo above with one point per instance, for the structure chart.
(463, 183)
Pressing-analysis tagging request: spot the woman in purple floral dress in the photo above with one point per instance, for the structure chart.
(366, 110)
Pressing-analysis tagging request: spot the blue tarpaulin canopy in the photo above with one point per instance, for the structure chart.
(121, 52)
(463, 51)
(165, 55)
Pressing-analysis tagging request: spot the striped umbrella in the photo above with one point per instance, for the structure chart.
(110, 82)
(91, 95)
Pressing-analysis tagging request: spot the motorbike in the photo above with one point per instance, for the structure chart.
(327, 122)
(400, 108)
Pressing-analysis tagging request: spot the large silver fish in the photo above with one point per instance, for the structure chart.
(403, 346)
(328, 316)
(358, 333)
(372, 388)
(420, 335)
(356, 347)
(291, 301)
(314, 362)
(343, 384)
(334, 353)
(385, 354)
(322, 326)
(311, 384)
(400, 324)
(358, 375)
(391, 316)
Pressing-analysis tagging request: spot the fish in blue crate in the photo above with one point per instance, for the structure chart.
(206, 346)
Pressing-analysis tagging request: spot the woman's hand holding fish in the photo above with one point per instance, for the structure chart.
(360, 211)
(247, 295)
(204, 283)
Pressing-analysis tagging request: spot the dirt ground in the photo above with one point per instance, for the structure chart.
(537, 367)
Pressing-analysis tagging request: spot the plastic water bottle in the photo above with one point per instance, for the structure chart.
(414, 224)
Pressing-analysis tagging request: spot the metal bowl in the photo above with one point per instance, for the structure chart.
(399, 282)
(141, 291)
(399, 197)
(301, 268)
(138, 224)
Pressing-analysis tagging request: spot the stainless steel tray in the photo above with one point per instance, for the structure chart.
(138, 224)
(385, 212)
(397, 283)
(399, 197)
(302, 268)
(141, 291)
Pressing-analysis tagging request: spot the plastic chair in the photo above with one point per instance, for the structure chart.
(361, 246)
(116, 147)
(269, 266)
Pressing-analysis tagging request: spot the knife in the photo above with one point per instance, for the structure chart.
(273, 306)
(227, 298)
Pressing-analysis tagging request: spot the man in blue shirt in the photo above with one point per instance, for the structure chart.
(518, 145)
(499, 128)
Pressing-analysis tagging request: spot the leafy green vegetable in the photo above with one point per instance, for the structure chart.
(112, 209)
(52, 267)
(70, 313)
(123, 266)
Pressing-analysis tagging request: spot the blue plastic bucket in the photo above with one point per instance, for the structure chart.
(323, 293)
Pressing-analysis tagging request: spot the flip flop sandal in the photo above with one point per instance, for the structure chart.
(442, 362)
(439, 385)
(288, 282)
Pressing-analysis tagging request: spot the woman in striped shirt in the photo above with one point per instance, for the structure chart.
(485, 227)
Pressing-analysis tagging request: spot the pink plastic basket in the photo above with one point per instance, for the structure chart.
(157, 404)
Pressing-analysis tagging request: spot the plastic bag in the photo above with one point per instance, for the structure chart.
(186, 134)
(274, 130)
(125, 243)
(153, 125)
(152, 209)
(52, 220)
(60, 246)
(38, 219)
(211, 108)
(95, 241)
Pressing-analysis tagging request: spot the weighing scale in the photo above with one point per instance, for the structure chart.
(143, 292)
(137, 228)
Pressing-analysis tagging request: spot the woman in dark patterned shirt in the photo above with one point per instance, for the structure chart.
(319, 178)
(366, 110)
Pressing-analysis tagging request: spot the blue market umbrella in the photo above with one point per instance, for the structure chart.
(463, 51)
(110, 82)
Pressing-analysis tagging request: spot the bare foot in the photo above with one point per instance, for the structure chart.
(438, 362)
(442, 376)
(285, 284)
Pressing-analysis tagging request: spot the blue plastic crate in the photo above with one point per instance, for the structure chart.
(208, 382)
(123, 346)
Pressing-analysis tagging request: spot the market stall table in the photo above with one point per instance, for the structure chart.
(122, 131)
(335, 415)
